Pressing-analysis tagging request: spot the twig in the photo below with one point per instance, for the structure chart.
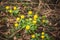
(14, 33)
(3, 38)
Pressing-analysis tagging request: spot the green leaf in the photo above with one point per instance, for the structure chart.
(15, 12)
(37, 35)
(47, 36)
(43, 16)
(39, 19)
(32, 28)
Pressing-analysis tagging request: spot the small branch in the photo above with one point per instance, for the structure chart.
(14, 33)
(2, 38)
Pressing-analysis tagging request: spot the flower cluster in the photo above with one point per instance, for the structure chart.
(8, 7)
(37, 36)
(12, 10)
(29, 23)
(42, 35)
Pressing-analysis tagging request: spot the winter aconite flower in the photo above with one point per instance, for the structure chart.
(7, 7)
(42, 33)
(27, 27)
(42, 37)
(33, 36)
(16, 24)
(30, 18)
(22, 16)
(14, 8)
(34, 22)
(10, 11)
(35, 16)
(17, 19)
(29, 12)
(43, 21)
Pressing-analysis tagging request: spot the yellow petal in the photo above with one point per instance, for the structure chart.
(33, 36)
(42, 33)
(30, 18)
(29, 12)
(42, 37)
(27, 27)
(10, 11)
(7, 7)
(43, 21)
(17, 18)
(34, 22)
(35, 16)
(15, 8)
(22, 16)
(16, 24)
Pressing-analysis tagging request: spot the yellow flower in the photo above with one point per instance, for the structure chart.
(34, 22)
(35, 16)
(22, 16)
(16, 24)
(35, 19)
(14, 8)
(43, 21)
(30, 18)
(42, 37)
(7, 7)
(10, 11)
(42, 33)
(27, 27)
(33, 36)
(17, 18)
(29, 12)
